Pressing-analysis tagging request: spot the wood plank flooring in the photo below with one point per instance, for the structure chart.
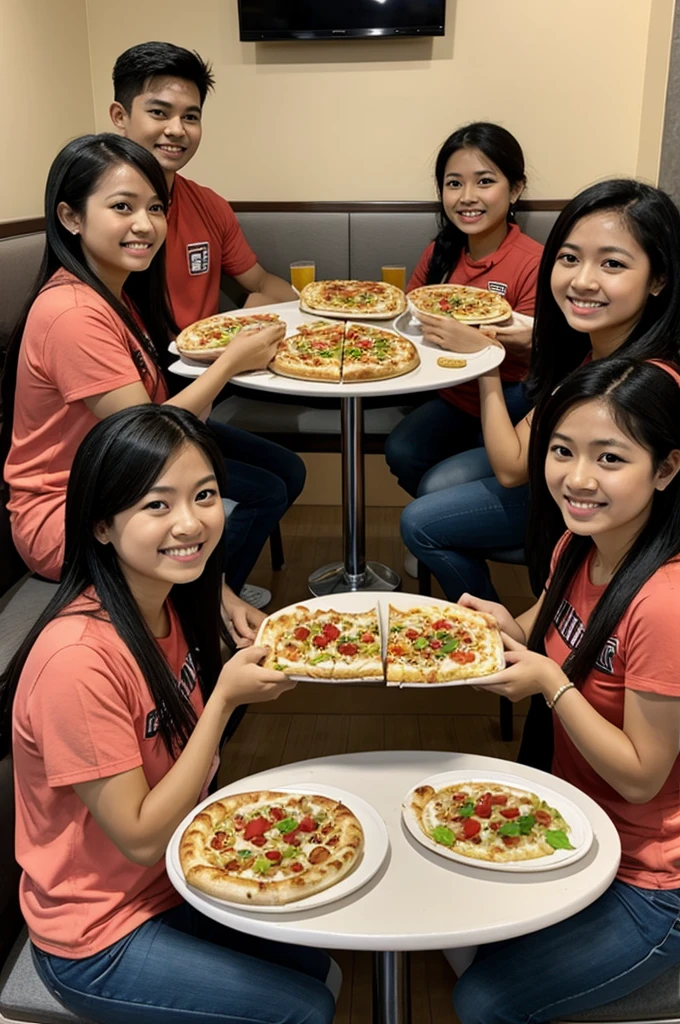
(317, 720)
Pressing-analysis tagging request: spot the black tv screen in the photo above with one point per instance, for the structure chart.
(347, 19)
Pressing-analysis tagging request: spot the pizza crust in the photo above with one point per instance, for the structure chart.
(312, 301)
(499, 308)
(190, 344)
(406, 664)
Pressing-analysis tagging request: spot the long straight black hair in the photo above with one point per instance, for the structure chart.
(499, 146)
(653, 220)
(73, 177)
(115, 466)
(644, 402)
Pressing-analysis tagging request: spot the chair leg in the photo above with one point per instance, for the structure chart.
(276, 548)
(424, 580)
(505, 709)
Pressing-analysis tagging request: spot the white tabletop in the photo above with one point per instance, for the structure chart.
(426, 377)
(419, 900)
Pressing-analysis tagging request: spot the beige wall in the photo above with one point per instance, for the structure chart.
(572, 81)
(46, 90)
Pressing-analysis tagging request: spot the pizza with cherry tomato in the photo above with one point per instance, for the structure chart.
(206, 340)
(350, 353)
(375, 300)
(313, 353)
(460, 302)
(489, 821)
(441, 644)
(269, 848)
(323, 644)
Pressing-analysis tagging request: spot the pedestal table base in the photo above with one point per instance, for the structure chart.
(334, 579)
(391, 988)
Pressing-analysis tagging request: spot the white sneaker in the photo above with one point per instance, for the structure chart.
(259, 597)
(411, 565)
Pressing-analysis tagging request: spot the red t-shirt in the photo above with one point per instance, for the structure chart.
(642, 654)
(74, 346)
(204, 238)
(510, 271)
(83, 711)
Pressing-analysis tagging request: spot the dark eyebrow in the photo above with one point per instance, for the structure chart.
(211, 478)
(455, 174)
(151, 102)
(602, 442)
(602, 250)
(121, 193)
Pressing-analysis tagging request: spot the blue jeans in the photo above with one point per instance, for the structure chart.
(265, 479)
(624, 940)
(182, 967)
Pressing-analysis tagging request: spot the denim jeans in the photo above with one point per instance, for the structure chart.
(265, 479)
(618, 944)
(182, 968)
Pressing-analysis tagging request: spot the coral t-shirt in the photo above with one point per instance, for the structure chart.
(510, 271)
(83, 711)
(74, 346)
(642, 654)
(204, 238)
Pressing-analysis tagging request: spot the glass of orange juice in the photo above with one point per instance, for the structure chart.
(302, 272)
(394, 274)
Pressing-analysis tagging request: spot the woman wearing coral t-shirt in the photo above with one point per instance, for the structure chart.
(116, 703)
(607, 465)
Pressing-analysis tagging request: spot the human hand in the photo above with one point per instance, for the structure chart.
(497, 613)
(241, 619)
(514, 334)
(451, 334)
(244, 681)
(253, 349)
(526, 673)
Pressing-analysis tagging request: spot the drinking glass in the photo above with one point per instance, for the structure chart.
(302, 272)
(394, 274)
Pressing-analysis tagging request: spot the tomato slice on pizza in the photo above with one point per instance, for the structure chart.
(440, 644)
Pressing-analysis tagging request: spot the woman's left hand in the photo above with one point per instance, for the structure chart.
(242, 620)
(451, 335)
(526, 672)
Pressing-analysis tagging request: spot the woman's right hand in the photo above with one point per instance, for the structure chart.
(253, 350)
(498, 612)
(244, 681)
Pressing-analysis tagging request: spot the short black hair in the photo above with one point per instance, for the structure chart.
(135, 68)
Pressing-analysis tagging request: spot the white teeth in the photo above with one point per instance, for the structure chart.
(137, 245)
(181, 552)
(471, 213)
(586, 305)
(583, 504)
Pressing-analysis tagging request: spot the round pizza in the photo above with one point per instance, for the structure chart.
(206, 340)
(460, 302)
(323, 644)
(372, 353)
(441, 644)
(488, 821)
(270, 848)
(371, 299)
(313, 353)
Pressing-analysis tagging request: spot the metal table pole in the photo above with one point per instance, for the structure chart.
(391, 988)
(354, 573)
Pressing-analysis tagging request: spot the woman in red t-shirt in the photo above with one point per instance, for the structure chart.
(607, 465)
(480, 176)
(116, 703)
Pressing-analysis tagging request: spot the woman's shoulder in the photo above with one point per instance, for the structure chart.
(525, 244)
(63, 293)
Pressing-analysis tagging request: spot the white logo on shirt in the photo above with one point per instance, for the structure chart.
(497, 286)
(198, 257)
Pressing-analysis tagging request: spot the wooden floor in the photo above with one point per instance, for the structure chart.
(316, 720)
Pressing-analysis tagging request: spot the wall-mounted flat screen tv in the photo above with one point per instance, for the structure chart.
(339, 19)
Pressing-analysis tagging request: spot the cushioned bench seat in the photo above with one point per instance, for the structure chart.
(24, 997)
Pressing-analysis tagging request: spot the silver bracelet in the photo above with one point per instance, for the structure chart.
(562, 689)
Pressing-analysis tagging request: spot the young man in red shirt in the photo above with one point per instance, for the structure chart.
(159, 91)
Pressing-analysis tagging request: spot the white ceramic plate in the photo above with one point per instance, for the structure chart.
(376, 848)
(362, 601)
(581, 834)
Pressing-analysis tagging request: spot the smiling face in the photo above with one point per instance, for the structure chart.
(166, 120)
(602, 480)
(602, 280)
(476, 196)
(168, 536)
(123, 225)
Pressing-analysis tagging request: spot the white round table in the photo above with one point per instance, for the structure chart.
(419, 900)
(354, 573)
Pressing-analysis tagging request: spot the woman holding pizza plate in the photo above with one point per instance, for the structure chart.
(600, 648)
(94, 340)
(115, 705)
(480, 176)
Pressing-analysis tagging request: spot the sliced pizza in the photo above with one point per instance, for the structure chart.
(270, 848)
(460, 302)
(206, 340)
(441, 644)
(372, 353)
(489, 821)
(313, 353)
(371, 299)
(323, 644)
